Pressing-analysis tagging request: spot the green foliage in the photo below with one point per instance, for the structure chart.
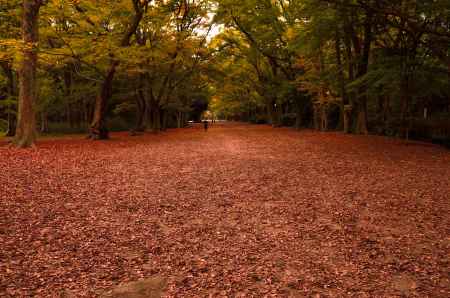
(273, 60)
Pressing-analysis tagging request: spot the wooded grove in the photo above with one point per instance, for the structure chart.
(358, 66)
(224, 148)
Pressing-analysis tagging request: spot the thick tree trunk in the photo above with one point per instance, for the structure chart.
(98, 129)
(26, 121)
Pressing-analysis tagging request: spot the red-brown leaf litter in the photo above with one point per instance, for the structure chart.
(238, 211)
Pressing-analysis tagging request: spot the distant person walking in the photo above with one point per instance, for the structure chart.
(205, 125)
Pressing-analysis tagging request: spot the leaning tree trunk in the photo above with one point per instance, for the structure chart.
(26, 121)
(98, 130)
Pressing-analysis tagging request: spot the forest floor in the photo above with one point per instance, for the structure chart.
(238, 211)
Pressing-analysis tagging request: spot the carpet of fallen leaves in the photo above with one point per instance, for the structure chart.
(239, 211)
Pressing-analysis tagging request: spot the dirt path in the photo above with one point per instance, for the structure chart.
(239, 211)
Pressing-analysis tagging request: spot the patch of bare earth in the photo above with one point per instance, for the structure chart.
(239, 211)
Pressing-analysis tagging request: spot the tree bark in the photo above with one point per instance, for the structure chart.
(341, 79)
(141, 107)
(26, 120)
(98, 130)
(165, 124)
(298, 114)
(156, 115)
(324, 118)
(44, 123)
(179, 119)
(67, 77)
(141, 111)
(361, 122)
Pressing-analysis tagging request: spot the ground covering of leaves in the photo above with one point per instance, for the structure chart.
(239, 211)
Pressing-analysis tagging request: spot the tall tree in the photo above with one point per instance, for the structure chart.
(98, 129)
(26, 120)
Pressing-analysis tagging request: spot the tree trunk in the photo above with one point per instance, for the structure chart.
(341, 80)
(44, 123)
(156, 119)
(298, 114)
(165, 119)
(183, 119)
(67, 76)
(98, 130)
(85, 112)
(404, 113)
(324, 118)
(361, 112)
(317, 117)
(361, 122)
(141, 111)
(155, 116)
(179, 119)
(347, 118)
(26, 120)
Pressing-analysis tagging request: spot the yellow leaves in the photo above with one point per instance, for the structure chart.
(290, 34)
(9, 42)
(11, 49)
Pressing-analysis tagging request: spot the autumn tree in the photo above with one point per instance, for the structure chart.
(26, 119)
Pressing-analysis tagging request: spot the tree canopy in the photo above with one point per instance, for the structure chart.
(358, 66)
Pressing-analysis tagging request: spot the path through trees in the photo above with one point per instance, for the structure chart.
(239, 210)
